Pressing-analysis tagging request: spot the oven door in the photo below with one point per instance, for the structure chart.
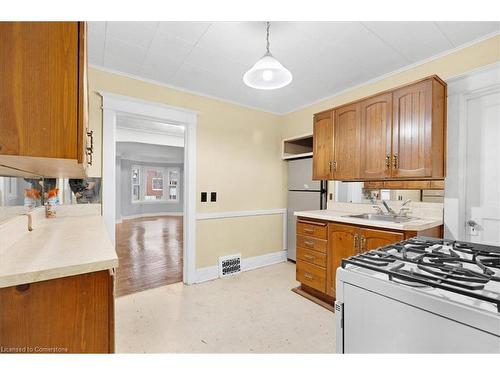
(374, 323)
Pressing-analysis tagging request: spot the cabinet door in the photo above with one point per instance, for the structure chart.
(371, 239)
(39, 89)
(74, 313)
(342, 242)
(347, 142)
(412, 131)
(376, 124)
(323, 146)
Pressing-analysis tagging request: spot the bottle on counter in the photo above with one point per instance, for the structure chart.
(31, 198)
(51, 204)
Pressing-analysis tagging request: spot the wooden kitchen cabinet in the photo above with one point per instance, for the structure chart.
(321, 246)
(343, 243)
(346, 142)
(372, 238)
(375, 150)
(43, 98)
(418, 141)
(323, 146)
(72, 314)
(346, 240)
(397, 135)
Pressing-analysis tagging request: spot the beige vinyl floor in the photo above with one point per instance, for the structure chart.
(253, 312)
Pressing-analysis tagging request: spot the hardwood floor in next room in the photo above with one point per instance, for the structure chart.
(150, 253)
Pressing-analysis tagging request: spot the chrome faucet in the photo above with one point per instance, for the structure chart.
(390, 211)
(403, 211)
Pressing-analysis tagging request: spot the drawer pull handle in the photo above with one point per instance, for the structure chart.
(23, 288)
(308, 276)
(309, 243)
(310, 257)
(308, 230)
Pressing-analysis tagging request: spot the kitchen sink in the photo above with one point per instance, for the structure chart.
(391, 218)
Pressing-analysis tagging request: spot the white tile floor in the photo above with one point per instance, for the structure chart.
(253, 312)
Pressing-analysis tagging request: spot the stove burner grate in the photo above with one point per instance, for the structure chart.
(437, 267)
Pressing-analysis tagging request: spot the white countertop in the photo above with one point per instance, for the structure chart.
(73, 243)
(341, 217)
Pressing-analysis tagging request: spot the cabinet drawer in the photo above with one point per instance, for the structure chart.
(310, 228)
(311, 256)
(311, 275)
(312, 243)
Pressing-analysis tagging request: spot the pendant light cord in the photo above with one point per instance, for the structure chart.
(267, 36)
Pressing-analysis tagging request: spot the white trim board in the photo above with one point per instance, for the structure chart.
(112, 106)
(247, 264)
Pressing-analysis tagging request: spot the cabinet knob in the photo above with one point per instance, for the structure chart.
(395, 161)
(23, 288)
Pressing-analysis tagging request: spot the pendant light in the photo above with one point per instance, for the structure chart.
(267, 73)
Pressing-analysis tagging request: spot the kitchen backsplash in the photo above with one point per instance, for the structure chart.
(20, 195)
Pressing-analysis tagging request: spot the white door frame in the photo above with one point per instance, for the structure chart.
(462, 89)
(113, 104)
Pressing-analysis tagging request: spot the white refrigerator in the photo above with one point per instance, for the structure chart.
(304, 194)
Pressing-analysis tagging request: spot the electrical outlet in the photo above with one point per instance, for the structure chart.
(203, 196)
(213, 196)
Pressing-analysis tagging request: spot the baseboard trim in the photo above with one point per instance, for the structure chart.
(150, 214)
(247, 264)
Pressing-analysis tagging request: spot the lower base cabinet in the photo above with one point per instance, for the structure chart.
(72, 314)
(347, 240)
(322, 245)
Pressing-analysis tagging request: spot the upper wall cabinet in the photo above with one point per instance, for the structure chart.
(397, 135)
(346, 142)
(43, 98)
(323, 146)
(418, 130)
(376, 123)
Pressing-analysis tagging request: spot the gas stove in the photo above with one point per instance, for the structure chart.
(465, 272)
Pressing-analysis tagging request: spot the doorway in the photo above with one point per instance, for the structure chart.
(152, 123)
(472, 197)
(149, 205)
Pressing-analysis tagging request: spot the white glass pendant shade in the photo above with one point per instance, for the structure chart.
(267, 74)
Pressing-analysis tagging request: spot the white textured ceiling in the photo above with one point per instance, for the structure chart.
(210, 58)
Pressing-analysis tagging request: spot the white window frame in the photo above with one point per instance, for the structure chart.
(132, 184)
(142, 184)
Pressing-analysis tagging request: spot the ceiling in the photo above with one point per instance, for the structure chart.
(324, 57)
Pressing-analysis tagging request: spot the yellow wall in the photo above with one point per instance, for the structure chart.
(238, 156)
(453, 64)
(245, 235)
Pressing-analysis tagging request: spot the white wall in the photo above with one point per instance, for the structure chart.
(129, 209)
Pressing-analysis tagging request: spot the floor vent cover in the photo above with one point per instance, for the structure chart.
(229, 265)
